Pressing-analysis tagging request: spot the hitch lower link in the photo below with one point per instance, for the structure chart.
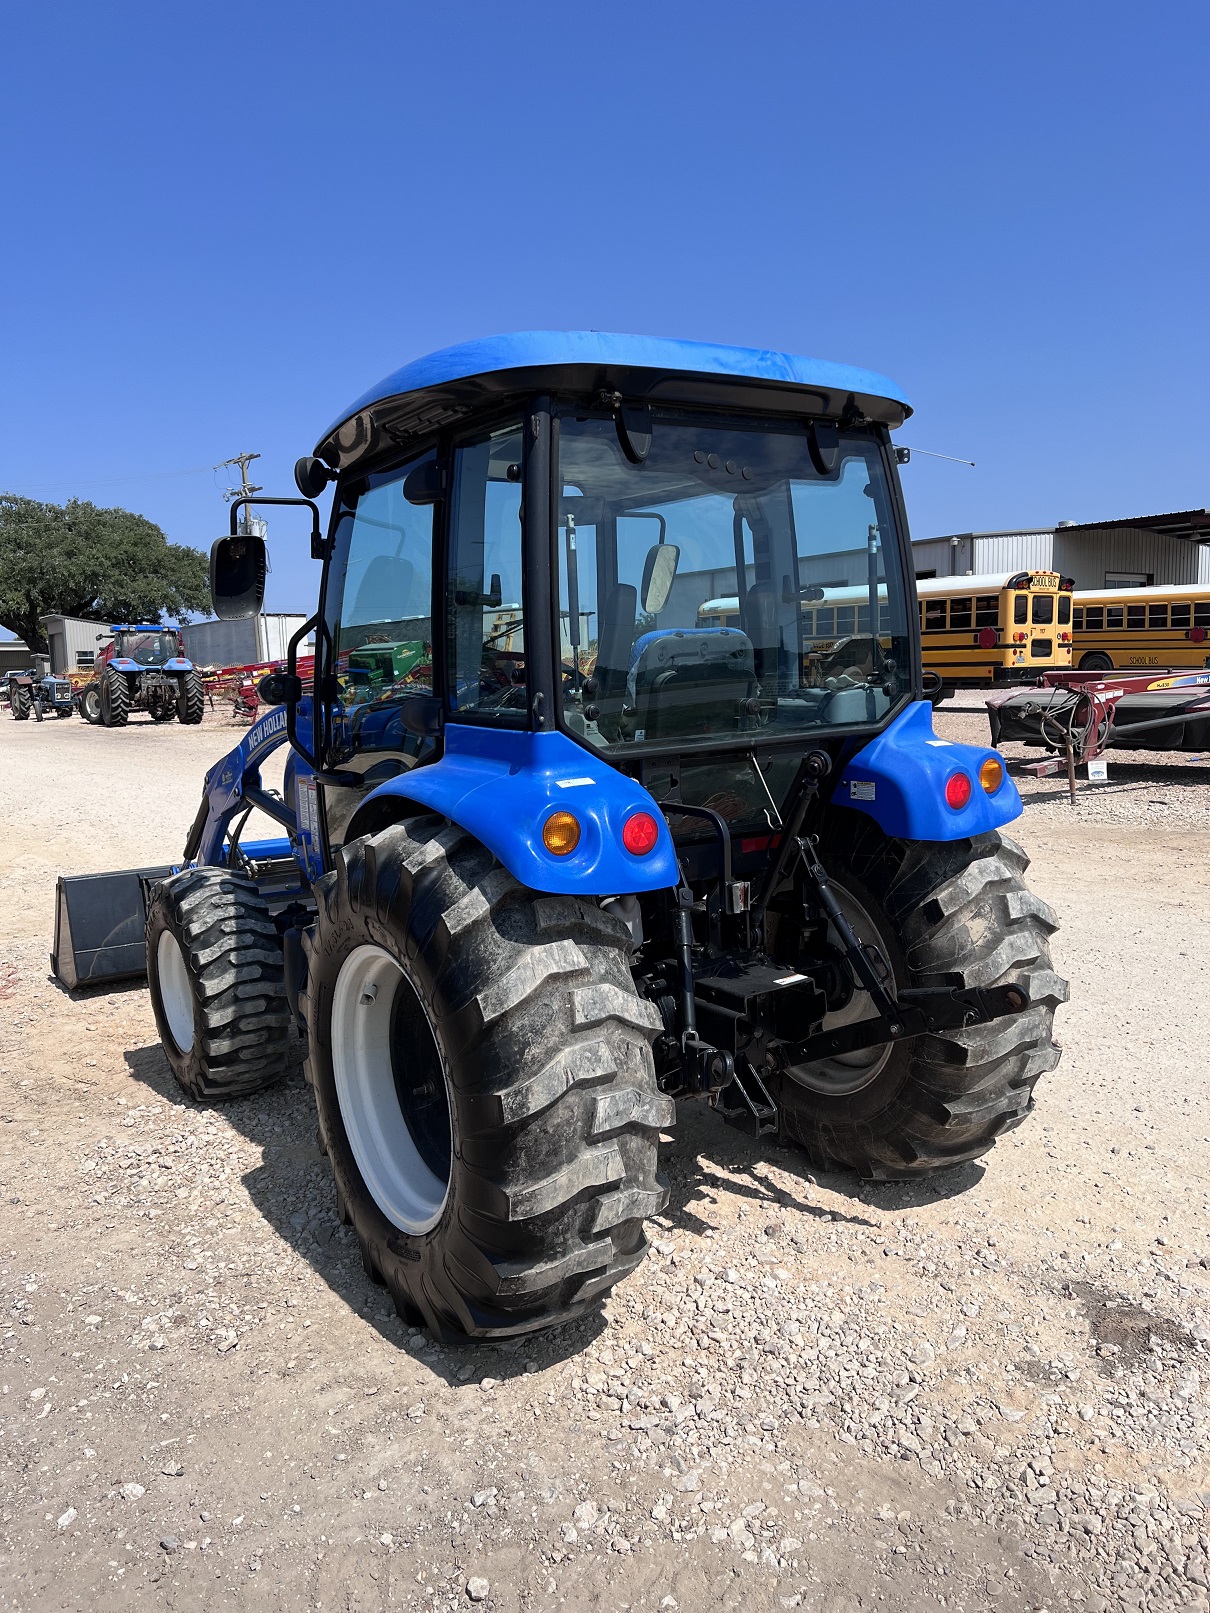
(915, 1011)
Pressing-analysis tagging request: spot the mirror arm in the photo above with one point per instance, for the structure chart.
(291, 706)
(317, 542)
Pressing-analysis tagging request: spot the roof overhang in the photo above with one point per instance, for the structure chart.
(436, 391)
(1192, 526)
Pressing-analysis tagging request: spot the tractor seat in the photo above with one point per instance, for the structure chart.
(685, 681)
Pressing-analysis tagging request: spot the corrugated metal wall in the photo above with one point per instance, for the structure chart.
(1014, 551)
(1088, 556)
(246, 643)
(73, 642)
(968, 552)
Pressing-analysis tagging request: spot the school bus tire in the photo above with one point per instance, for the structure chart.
(1096, 661)
(948, 913)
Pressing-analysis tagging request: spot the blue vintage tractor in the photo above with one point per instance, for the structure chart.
(580, 856)
(38, 692)
(143, 668)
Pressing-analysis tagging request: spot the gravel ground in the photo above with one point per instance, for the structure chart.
(988, 1391)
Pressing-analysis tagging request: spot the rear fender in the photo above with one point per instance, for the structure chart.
(899, 780)
(501, 785)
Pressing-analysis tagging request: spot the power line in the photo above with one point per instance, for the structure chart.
(125, 481)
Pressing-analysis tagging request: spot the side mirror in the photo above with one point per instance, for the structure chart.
(280, 689)
(311, 476)
(659, 570)
(237, 576)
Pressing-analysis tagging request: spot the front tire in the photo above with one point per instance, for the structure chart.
(483, 1073)
(191, 698)
(115, 699)
(90, 705)
(217, 980)
(954, 913)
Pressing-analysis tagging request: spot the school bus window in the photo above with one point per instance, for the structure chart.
(1021, 608)
(863, 620)
(960, 612)
(934, 615)
(884, 618)
(987, 610)
(1136, 616)
(1201, 615)
(1064, 609)
(1044, 609)
(825, 623)
(808, 623)
(1180, 616)
(846, 621)
(1094, 618)
(1113, 616)
(1077, 618)
(1157, 616)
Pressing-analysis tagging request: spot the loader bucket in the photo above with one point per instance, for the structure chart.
(99, 922)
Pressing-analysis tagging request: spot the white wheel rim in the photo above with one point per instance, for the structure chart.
(176, 992)
(402, 1185)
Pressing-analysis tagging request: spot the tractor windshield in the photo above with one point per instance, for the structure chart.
(148, 649)
(726, 585)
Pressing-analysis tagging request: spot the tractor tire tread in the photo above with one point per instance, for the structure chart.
(191, 697)
(547, 1049)
(242, 1019)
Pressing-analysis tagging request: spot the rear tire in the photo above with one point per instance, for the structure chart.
(216, 973)
(115, 699)
(1095, 661)
(953, 913)
(90, 704)
(483, 1073)
(191, 698)
(21, 700)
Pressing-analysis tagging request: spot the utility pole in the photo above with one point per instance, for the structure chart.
(249, 524)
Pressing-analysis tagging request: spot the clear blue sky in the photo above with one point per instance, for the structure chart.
(225, 221)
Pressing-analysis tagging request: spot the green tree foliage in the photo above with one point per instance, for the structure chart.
(78, 560)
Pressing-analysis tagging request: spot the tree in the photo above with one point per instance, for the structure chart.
(104, 565)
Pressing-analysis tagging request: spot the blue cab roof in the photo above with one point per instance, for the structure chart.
(548, 349)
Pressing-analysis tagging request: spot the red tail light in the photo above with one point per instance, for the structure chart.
(640, 833)
(957, 791)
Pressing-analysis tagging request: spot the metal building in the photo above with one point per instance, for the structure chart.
(250, 642)
(1139, 551)
(15, 656)
(73, 642)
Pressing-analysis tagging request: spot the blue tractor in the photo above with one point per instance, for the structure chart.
(582, 856)
(143, 668)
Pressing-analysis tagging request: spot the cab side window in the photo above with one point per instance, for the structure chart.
(485, 622)
(381, 609)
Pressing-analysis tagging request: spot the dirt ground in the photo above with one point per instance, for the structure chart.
(987, 1391)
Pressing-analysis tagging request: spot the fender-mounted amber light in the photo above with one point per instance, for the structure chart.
(991, 774)
(561, 833)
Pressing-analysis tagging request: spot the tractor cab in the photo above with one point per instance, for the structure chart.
(142, 649)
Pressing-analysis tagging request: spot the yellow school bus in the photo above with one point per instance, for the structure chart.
(996, 627)
(1119, 628)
